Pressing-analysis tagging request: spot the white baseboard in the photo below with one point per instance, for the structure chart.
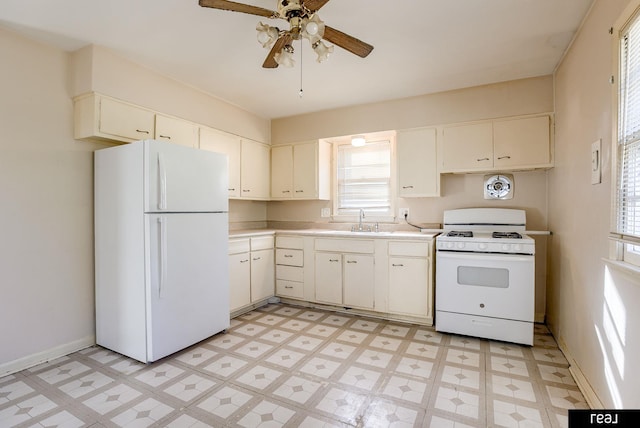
(44, 356)
(581, 380)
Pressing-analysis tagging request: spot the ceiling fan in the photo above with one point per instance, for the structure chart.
(304, 22)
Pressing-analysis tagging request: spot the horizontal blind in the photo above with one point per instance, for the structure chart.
(364, 178)
(628, 198)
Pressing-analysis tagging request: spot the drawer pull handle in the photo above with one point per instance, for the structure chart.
(407, 187)
(288, 286)
(299, 191)
(504, 157)
(482, 159)
(286, 191)
(246, 190)
(244, 261)
(168, 137)
(288, 255)
(257, 258)
(142, 131)
(334, 260)
(397, 265)
(352, 261)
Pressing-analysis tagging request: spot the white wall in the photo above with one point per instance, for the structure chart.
(46, 188)
(592, 310)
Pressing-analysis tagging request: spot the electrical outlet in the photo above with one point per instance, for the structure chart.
(325, 212)
(403, 213)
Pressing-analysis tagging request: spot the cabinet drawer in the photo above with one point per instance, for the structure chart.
(415, 249)
(289, 257)
(294, 242)
(289, 288)
(239, 246)
(345, 245)
(290, 273)
(262, 243)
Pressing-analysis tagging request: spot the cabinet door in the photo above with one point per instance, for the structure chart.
(417, 163)
(124, 120)
(467, 147)
(305, 171)
(239, 281)
(281, 172)
(255, 168)
(358, 281)
(176, 131)
(262, 275)
(228, 144)
(521, 142)
(328, 278)
(408, 286)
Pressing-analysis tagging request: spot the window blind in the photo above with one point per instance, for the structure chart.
(628, 198)
(364, 178)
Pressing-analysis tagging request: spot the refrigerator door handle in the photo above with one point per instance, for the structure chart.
(162, 175)
(163, 255)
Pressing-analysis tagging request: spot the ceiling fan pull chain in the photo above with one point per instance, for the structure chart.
(301, 92)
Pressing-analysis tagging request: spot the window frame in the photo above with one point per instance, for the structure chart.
(369, 218)
(625, 247)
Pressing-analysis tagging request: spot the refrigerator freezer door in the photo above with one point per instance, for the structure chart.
(183, 179)
(188, 290)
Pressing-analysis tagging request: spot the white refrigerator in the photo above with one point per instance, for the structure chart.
(161, 238)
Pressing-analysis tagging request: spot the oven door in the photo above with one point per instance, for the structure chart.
(492, 285)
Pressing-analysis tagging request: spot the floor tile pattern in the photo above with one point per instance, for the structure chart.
(288, 366)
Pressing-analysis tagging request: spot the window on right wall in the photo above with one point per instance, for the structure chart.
(627, 201)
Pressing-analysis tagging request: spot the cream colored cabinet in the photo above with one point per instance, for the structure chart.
(344, 272)
(328, 281)
(239, 273)
(176, 131)
(255, 176)
(290, 266)
(411, 279)
(301, 171)
(107, 119)
(251, 271)
(358, 281)
(416, 153)
(222, 142)
(519, 143)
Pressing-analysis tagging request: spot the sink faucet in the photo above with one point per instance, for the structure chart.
(360, 218)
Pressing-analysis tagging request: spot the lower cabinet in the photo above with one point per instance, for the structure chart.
(290, 266)
(251, 271)
(410, 284)
(344, 277)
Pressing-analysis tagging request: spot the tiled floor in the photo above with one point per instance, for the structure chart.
(288, 366)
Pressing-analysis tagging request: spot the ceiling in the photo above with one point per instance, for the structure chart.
(421, 46)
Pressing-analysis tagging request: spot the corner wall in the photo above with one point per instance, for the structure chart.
(592, 308)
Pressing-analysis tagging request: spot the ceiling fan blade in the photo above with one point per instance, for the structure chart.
(314, 5)
(270, 61)
(237, 7)
(347, 42)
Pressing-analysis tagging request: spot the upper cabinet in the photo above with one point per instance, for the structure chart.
(301, 171)
(418, 174)
(520, 143)
(176, 131)
(103, 118)
(229, 144)
(255, 174)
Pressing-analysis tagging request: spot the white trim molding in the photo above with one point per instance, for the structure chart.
(581, 380)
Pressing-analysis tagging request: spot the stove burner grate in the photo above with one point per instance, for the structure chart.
(461, 234)
(512, 235)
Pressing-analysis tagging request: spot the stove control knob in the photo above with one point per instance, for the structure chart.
(483, 246)
(460, 245)
(506, 247)
(449, 244)
(517, 247)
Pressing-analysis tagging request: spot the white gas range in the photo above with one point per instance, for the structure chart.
(485, 275)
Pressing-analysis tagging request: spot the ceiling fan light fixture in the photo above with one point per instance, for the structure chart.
(285, 57)
(323, 51)
(267, 35)
(358, 141)
(313, 29)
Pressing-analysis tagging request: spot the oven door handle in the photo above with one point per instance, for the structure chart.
(484, 256)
